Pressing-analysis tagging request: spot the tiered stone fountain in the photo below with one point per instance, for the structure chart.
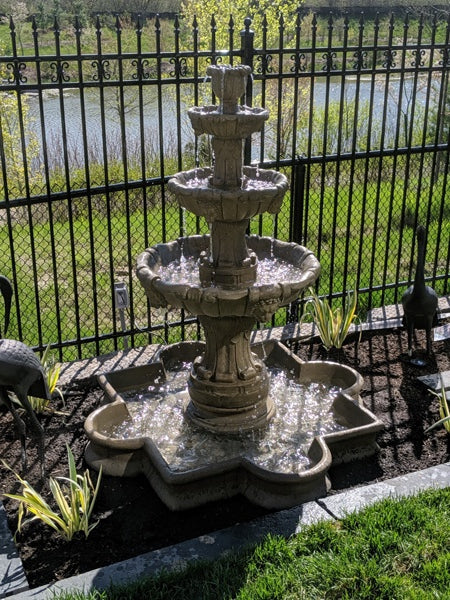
(229, 402)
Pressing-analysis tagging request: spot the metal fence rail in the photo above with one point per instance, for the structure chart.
(93, 124)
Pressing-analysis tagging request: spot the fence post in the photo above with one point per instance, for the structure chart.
(247, 53)
(297, 202)
(296, 223)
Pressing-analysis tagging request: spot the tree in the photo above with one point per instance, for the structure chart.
(12, 124)
(270, 10)
(11, 145)
(19, 13)
(439, 123)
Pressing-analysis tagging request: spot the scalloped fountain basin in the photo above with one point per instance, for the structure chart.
(143, 429)
(170, 276)
(196, 193)
(239, 125)
(157, 412)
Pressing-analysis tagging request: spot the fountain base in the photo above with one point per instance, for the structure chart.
(228, 383)
(183, 482)
(253, 408)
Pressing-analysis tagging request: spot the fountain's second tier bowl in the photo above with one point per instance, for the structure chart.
(261, 300)
(262, 191)
(237, 126)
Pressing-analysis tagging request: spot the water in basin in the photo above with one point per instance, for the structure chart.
(185, 272)
(247, 183)
(303, 412)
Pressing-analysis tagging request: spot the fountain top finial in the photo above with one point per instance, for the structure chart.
(229, 83)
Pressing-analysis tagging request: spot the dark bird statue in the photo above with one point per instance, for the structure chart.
(420, 302)
(20, 372)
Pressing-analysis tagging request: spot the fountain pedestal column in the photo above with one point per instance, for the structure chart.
(231, 265)
(229, 385)
(228, 163)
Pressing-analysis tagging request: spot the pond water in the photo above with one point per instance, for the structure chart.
(107, 135)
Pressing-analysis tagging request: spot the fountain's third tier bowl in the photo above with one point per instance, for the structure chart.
(261, 191)
(238, 126)
(297, 266)
(228, 83)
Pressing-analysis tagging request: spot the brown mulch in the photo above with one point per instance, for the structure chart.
(132, 518)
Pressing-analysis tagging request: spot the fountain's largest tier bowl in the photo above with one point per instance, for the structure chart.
(262, 191)
(261, 300)
(219, 475)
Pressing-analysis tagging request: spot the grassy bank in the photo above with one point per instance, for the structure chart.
(81, 248)
(395, 549)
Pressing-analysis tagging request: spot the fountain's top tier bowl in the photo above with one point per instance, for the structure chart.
(260, 300)
(262, 190)
(228, 84)
(235, 126)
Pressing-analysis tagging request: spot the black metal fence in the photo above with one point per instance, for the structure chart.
(93, 124)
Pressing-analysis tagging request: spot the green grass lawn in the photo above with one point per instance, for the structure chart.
(357, 234)
(393, 550)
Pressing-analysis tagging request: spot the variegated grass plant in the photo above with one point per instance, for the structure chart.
(52, 371)
(332, 323)
(75, 498)
(444, 410)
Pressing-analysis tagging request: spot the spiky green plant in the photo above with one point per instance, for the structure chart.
(333, 323)
(52, 371)
(444, 410)
(75, 497)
